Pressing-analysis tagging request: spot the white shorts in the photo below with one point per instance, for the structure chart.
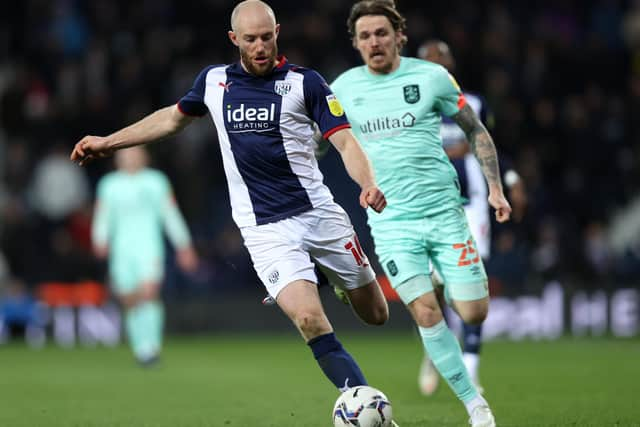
(480, 227)
(285, 251)
(478, 209)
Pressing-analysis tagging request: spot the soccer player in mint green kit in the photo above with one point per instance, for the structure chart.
(134, 205)
(394, 105)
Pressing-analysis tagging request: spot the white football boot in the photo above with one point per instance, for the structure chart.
(481, 416)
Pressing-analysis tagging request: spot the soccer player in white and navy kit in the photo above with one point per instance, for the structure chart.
(473, 189)
(265, 110)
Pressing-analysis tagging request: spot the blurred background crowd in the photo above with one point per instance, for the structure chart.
(562, 77)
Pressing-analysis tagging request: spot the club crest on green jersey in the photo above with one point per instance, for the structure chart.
(411, 93)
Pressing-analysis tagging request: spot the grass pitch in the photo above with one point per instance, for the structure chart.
(265, 381)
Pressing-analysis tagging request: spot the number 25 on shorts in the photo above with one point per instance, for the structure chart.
(468, 255)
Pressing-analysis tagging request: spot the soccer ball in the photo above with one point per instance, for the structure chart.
(362, 406)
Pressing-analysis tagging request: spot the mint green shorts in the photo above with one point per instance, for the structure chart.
(129, 271)
(408, 248)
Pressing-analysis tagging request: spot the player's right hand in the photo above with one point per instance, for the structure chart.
(90, 148)
(373, 196)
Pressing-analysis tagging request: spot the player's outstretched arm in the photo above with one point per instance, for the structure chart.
(157, 125)
(485, 151)
(359, 168)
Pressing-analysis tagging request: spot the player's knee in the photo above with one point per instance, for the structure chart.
(475, 314)
(426, 313)
(428, 317)
(149, 292)
(475, 318)
(130, 300)
(310, 322)
(379, 315)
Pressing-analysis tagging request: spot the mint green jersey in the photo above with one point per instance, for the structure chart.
(396, 117)
(132, 212)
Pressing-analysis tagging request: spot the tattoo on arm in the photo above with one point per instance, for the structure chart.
(481, 143)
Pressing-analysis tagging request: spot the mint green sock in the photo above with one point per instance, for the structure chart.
(157, 324)
(152, 314)
(133, 322)
(445, 352)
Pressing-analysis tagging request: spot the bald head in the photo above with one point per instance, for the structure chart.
(251, 10)
(255, 33)
(437, 51)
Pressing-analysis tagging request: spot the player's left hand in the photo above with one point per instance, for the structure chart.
(373, 196)
(187, 259)
(501, 205)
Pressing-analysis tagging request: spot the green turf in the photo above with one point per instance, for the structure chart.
(273, 381)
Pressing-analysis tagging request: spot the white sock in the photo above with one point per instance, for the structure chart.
(472, 361)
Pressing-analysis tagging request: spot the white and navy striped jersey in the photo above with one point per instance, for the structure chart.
(265, 126)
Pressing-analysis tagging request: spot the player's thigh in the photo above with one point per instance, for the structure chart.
(335, 248)
(278, 254)
(300, 296)
(455, 256)
(300, 301)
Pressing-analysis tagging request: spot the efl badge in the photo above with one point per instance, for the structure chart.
(334, 105)
(411, 93)
(282, 87)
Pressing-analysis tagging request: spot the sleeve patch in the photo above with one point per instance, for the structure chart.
(334, 106)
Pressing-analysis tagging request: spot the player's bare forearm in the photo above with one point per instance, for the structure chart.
(481, 145)
(485, 151)
(354, 158)
(160, 124)
(156, 126)
(359, 168)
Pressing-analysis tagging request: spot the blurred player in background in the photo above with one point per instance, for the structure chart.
(395, 105)
(473, 189)
(134, 204)
(264, 110)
